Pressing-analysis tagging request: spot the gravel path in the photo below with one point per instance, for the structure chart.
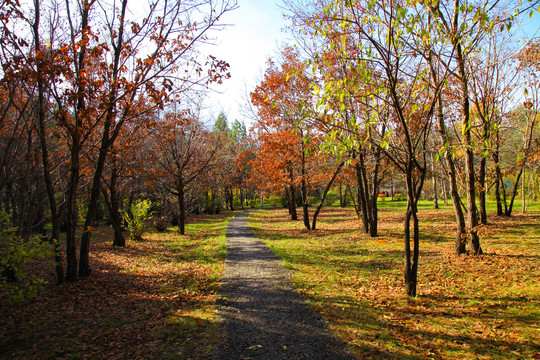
(262, 315)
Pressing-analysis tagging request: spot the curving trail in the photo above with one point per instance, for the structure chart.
(262, 316)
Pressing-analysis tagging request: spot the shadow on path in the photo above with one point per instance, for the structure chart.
(261, 314)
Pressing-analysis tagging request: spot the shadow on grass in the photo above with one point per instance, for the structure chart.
(375, 333)
(112, 314)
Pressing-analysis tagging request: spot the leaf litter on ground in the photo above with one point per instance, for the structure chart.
(153, 299)
(474, 307)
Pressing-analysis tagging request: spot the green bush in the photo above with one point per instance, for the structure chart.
(275, 200)
(330, 199)
(136, 221)
(15, 253)
(399, 197)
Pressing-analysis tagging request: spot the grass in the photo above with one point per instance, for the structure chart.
(153, 299)
(469, 307)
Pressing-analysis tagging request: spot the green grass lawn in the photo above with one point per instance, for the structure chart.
(153, 299)
(469, 307)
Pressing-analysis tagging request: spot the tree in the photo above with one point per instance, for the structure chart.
(394, 87)
(95, 64)
(187, 154)
(285, 125)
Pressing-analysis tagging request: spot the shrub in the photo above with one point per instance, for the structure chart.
(330, 198)
(275, 200)
(399, 197)
(15, 253)
(160, 223)
(140, 213)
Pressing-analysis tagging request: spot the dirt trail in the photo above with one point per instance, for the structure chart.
(262, 315)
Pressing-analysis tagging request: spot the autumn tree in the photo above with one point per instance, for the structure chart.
(285, 107)
(94, 65)
(186, 153)
(390, 81)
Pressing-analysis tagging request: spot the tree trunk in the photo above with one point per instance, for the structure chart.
(305, 205)
(445, 191)
(361, 210)
(113, 206)
(182, 208)
(499, 182)
(482, 176)
(55, 214)
(508, 210)
(294, 215)
(435, 189)
(71, 211)
(472, 218)
(523, 196)
(231, 198)
(84, 264)
(328, 186)
(482, 192)
(411, 257)
(242, 198)
(461, 234)
(289, 201)
(116, 220)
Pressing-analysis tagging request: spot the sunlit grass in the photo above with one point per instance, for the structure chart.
(483, 307)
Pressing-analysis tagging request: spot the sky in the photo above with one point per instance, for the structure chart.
(253, 35)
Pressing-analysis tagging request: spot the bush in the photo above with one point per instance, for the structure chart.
(140, 213)
(160, 223)
(399, 197)
(15, 253)
(330, 198)
(275, 200)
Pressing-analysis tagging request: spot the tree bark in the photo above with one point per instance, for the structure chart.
(411, 257)
(328, 186)
(461, 233)
(113, 207)
(55, 214)
(292, 189)
(362, 209)
(435, 189)
(482, 192)
(305, 205)
(472, 217)
(499, 182)
(508, 210)
(181, 207)
(71, 211)
(84, 263)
